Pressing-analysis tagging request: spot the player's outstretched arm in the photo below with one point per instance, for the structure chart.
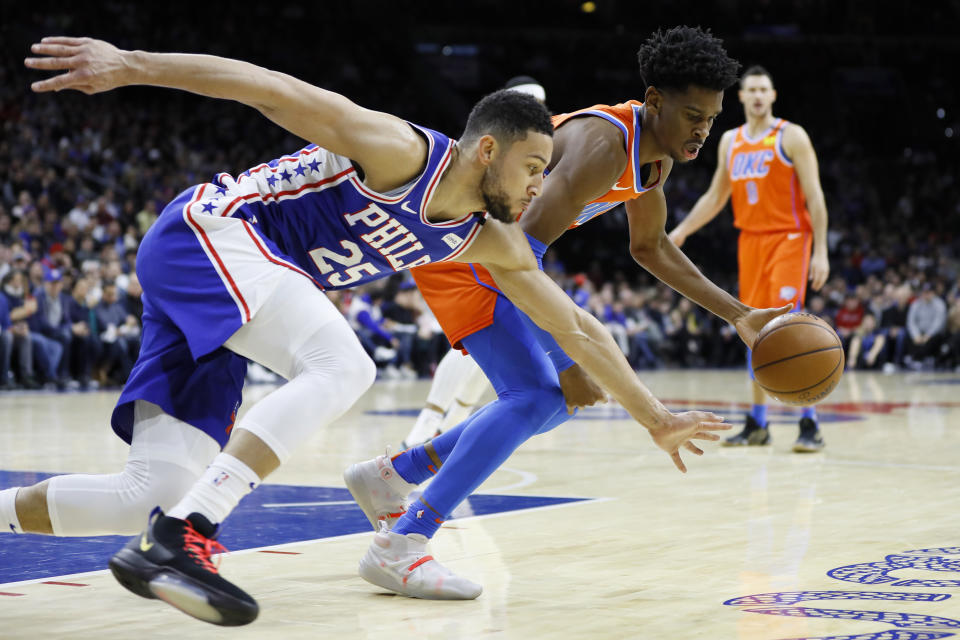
(712, 201)
(387, 148)
(586, 340)
(654, 251)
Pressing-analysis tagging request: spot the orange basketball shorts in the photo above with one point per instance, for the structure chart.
(774, 267)
(461, 296)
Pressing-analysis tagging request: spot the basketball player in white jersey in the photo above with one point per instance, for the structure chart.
(235, 269)
(459, 383)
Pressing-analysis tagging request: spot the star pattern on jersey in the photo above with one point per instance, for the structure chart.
(221, 191)
(315, 165)
(208, 207)
(300, 170)
(286, 175)
(273, 180)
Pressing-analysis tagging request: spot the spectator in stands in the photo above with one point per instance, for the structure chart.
(119, 336)
(893, 321)
(18, 310)
(85, 347)
(926, 324)
(848, 317)
(52, 321)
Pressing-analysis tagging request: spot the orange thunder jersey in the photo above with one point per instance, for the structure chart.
(463, 296)
(766, 194)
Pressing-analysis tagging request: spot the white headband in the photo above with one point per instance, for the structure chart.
(532, 89)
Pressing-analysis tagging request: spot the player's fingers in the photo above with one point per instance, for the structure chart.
(52, 49)
(714, 426)
(570, 409)
(68, 40)
(678, 462)
(58, 83)
(705, 435)
(52, 64)
(692, 448)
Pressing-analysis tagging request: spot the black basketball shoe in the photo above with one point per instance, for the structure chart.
(171, 561)
(809, 440)
(753, 435)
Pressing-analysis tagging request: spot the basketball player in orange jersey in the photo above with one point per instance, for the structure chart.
(603, 156)
(768, 168)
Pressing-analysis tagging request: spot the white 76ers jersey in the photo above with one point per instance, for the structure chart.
(315, 208)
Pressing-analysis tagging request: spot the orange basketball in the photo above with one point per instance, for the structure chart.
(798, 358)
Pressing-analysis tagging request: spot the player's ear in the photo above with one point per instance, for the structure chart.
(653, 100)
(487, 149)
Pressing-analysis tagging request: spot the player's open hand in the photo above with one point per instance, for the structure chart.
(579, 389)
(749, 326)
(682, 428)
(91, 65)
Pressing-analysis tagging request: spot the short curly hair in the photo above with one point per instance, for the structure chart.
(683, 56)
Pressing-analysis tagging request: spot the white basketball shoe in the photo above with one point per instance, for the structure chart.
(400, 563)
(379, 490)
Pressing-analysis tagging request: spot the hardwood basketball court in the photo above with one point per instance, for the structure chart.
(588, 531)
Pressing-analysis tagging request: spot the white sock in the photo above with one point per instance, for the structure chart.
(218, 491)
(8, 511)
(425, 427)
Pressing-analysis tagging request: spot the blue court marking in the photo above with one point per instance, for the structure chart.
(935, 559)
(938, 381)
(776, 415)
(261, 520)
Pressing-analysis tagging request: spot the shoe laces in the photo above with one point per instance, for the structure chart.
(200, 548)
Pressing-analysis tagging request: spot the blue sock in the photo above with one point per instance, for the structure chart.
(419, 518)
(415, 465)
(759, 413)
(809, 412)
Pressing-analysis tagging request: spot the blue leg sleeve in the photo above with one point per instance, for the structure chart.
(529, 401)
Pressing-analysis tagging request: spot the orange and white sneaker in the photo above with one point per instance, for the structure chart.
(379, 490)
(400, 563)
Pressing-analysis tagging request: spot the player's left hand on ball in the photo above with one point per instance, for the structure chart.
(749, 326)
(91, 65)
(579, 389)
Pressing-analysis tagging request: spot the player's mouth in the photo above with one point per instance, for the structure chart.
(691, 150)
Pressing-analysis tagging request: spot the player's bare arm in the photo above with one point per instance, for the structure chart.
(655, 252)
(588, 158)
(386, 147)
(712, 202)
(799, 148)
(504, 251)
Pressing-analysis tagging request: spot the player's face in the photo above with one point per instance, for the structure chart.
(757, 95)
(515, 177)
(684, 120)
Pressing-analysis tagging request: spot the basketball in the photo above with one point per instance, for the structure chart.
(798, 359)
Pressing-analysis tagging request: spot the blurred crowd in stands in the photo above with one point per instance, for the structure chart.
(83, 178)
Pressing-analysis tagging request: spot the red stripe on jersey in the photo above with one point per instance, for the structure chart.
(266, 254)
(216, 256)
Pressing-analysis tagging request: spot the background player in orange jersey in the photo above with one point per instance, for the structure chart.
(768, 168)
(603, 156)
